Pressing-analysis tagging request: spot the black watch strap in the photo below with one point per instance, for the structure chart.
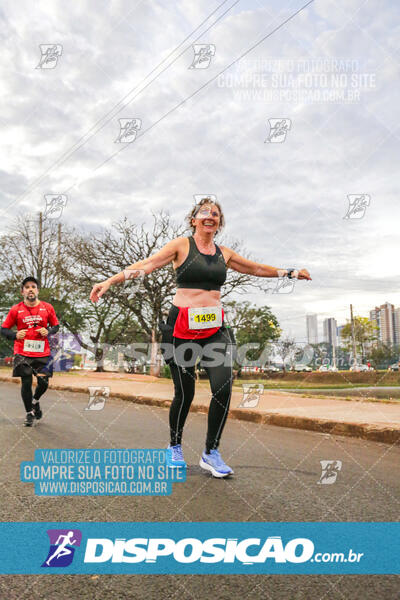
(289, 273)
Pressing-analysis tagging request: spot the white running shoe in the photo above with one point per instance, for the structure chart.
(213, 462)
(175, 456)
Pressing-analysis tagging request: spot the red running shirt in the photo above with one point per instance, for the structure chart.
(31, 318)
(181, 329)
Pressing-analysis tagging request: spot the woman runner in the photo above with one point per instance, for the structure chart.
(195, 328)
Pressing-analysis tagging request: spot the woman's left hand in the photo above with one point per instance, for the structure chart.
(304, 274)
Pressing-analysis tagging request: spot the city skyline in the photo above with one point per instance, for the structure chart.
(386, 316)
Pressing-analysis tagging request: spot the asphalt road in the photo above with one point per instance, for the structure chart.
(276, 475)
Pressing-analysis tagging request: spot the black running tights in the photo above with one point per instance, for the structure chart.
(184, 378)
(26, 389)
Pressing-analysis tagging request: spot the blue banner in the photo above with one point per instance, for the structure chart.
(206, 547)
(101, 472)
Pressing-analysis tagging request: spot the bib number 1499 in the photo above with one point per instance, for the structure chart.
(205, 317)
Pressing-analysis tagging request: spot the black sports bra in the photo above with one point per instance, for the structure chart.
(201, 271)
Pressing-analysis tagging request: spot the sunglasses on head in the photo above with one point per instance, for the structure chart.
(206, 212)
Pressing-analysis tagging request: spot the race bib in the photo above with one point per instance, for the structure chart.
(205, 317)
(33, 346)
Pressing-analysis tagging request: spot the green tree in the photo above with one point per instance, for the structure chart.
(97, 326)
(252, 325)
(35, 247)
(8, 297)
(286, 348)
(112, 250)
(383, 355)
(365, 332)
(68, 263)
(322, 354)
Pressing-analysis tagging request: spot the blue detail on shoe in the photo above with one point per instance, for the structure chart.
(213, 462)
(175, 456)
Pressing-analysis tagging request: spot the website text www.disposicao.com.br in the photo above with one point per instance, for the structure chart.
(213, 550)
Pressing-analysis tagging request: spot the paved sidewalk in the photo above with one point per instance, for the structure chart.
(377, 421)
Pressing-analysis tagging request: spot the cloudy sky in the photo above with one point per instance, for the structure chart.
(328, 76)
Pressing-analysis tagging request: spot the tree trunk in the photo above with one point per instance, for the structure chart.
(154, 360)
(99, 358)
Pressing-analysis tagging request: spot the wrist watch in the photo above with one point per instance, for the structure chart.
(289, 273)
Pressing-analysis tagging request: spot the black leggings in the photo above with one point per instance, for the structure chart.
(26, 389)
(216, 355)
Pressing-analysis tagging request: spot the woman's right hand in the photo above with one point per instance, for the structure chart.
(98, 290)
(21, 334)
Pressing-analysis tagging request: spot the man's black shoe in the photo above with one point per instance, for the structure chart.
(37, 411)
(29, 420)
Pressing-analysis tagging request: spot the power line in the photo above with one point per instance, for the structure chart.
(115, 110)
(204, 85)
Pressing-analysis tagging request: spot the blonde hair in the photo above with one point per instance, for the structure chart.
(205, 200)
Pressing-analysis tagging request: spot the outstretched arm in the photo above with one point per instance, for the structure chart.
(243, 265)
(166, 255)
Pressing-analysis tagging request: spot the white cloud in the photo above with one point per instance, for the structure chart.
(286, 201)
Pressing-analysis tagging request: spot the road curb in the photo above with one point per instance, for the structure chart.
(365, 431)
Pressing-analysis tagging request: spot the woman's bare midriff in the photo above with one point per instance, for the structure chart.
(196, 298)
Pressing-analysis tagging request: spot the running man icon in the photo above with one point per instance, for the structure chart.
(61, 550)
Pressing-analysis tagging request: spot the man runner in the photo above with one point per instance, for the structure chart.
(31, 346)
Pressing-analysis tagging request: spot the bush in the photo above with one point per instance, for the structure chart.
(165, 372)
